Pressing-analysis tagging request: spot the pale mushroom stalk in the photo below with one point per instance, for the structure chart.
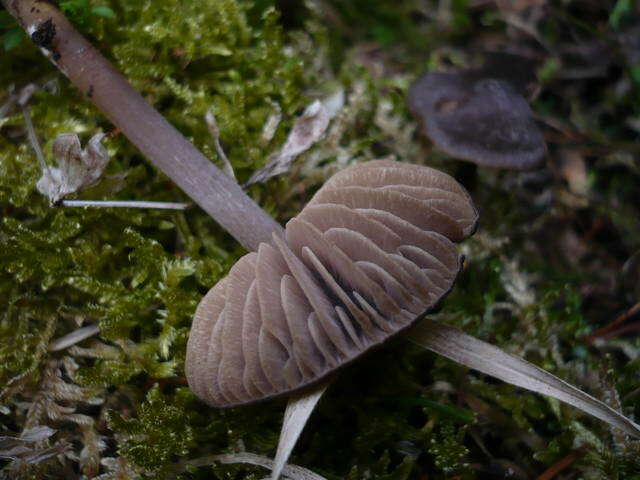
(218, 194)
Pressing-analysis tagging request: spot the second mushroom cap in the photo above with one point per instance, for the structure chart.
(480, 119)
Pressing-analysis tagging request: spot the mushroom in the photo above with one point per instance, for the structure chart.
(445, 206)
(370, 254)
(477, 118)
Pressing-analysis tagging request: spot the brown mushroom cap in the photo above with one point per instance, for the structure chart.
(369, 254)
(483, 120)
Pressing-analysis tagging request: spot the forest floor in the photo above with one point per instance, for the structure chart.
(552, 274)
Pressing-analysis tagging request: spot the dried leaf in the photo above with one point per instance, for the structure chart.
(35, 434)
(306, 131)
(40, 455)
(471, 352)
(117, 468)
(77, 169)
(18, 448)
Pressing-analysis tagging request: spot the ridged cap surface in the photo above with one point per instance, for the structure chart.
(371, 252)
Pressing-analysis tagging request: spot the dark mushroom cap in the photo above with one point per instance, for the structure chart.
(371, 252)
(483, 120)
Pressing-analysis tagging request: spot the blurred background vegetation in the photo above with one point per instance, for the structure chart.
(556, 258)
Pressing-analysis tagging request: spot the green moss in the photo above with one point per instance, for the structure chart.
(160, 432)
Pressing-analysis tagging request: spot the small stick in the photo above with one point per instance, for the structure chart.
(215, 133)
(74, 337)
(125, 204)
(33, 140)
(562, 464)
(630, 327)
(601, 332)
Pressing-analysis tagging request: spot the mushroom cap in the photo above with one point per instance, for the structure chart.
(483, 120)
(370, 254)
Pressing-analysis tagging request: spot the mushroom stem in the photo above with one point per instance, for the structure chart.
(220, 196)
(299, 409)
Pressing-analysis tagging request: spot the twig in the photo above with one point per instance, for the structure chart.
(601, 332)
(527, 28)
(74, 337)
(33, 140)
(20, 98)
(125, 204)
(562, 464)
(220, 196)
(631, 327)
(215, 133)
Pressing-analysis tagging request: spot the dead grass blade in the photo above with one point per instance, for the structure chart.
(471, 352)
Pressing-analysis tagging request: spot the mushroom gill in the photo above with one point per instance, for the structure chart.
(371, 252)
